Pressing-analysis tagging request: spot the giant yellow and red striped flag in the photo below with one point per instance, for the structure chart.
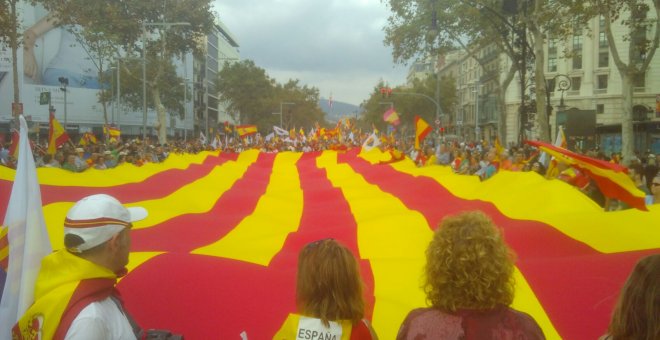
(422, 128)
(56, 134)
(246, 130)
(226, 229)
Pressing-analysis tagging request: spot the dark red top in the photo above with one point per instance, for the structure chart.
(500, 323)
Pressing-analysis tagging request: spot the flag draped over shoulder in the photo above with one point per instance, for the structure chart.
(612, 179)
(422, 128)
(246, 130)
(56, 134)
(391, 117)
(27, 238)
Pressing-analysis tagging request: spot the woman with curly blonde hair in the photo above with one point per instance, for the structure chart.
(329, 296)
(469, 285)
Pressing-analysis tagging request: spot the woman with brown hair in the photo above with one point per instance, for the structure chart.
(329, 296)
(469, 284)
(637, 312)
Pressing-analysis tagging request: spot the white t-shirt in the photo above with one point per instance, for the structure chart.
(99, 321)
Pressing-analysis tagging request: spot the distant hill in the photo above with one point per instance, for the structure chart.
(339, 109)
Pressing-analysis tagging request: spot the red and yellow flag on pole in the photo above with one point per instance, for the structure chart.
(612, 179)
(246, 130)
(56, 134)
(422, 128)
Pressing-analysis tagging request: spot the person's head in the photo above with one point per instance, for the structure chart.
(71, 159)
(97, 228)
(637, 313)
(655, 188)
(468, 265)
(329, 286)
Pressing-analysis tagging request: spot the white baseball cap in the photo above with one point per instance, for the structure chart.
(97, 218)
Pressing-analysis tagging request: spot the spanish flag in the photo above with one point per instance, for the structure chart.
(13, 149)
(391, 117)
(422, 128)
(246, 130)
(612, 179)
(56, 134)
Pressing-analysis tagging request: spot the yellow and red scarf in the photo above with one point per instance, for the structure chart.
(66, 284)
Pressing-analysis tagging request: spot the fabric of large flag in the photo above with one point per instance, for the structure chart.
(612, 179)
(27, 237)
(217, 255)
(56, 134)
(391, 117)
(422, 128)
(246, 130)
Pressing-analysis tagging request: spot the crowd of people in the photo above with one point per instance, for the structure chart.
(469, 285)
(480, 159)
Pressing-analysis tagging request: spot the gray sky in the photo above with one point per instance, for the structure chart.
(333, 45)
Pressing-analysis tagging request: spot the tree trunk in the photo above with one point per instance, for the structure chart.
(161, 125)
(627, 132)
(501, 102)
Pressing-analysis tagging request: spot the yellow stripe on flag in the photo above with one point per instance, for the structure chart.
(525, 300)
(528, 196)
(280, 208)
(392, 237)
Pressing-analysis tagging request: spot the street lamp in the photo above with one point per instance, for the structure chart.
(65, 83)
(562, 83)
(281, 111)
(144, 67)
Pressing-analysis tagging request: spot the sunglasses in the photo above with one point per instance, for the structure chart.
(655, 184)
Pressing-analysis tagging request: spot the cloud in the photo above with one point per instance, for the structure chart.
(336, 46)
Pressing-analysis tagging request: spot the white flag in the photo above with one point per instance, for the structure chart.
(371, 142)
(280, 132)
(202, 138)
(27, 236)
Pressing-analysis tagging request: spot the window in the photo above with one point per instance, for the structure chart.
(602, 40)
(576, 82)
(600, 108)
(639, 80)
(577, 61)
(552, 63)
(602, 82)
(603, 58)
(577, 52)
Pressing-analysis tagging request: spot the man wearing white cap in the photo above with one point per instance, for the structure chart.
(75, 295)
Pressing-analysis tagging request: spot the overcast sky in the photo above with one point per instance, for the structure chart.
(333, 45)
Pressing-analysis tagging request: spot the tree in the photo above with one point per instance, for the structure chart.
(123, 24)
(9, 36)
(418, 26)
(633, 17)
(247, 89)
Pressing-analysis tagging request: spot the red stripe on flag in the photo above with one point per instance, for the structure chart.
(185, 233)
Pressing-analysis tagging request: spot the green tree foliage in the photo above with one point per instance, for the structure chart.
(408, 102)
(9, 36)
(116, 27)
(253, 97)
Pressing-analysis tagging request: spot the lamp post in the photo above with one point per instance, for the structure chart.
(144, 67)
(282, 112)
(562, 83)
(65, 83)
